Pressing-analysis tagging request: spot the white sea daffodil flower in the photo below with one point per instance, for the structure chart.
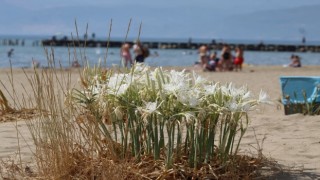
(140, 68)
(210, 89)
(173, 88)
(199, 81)
(233, 106)
(151, 107)
(176, 77)
(238, 93)
(264, 98)
(122, 89)
(225, 90)
(148, 109)
(190, 98)
(247, 106)
(96, 90)
(233, 91)
(117, 85)
(247, 95)
(128, 79)
(236, 104)
(182, 97)
(193, 101)
(153, 75)
(177, 81)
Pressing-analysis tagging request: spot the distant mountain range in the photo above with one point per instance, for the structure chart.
(171, 22)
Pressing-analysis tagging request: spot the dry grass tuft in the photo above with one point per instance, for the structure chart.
(242, 167)
(4, 105)
(84, 166)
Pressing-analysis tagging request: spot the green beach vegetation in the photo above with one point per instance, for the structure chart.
(167, 114)
(138, 123)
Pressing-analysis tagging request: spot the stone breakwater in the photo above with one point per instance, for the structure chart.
(184, 45)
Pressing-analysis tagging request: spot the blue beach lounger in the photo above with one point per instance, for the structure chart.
(300, 94)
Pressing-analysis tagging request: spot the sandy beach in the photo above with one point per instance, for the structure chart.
(291, 140)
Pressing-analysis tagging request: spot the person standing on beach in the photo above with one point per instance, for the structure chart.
(10, 52)
(203, 56)
(126, 55)
(138, 51)
(239, 59)
(226, 62)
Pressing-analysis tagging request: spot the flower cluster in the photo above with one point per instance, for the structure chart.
(186, 90)
(146, 100)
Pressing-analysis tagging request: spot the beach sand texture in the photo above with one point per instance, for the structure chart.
(292, 140)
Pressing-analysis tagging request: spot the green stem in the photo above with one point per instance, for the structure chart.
(156, 140)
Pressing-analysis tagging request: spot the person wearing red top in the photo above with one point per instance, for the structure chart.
(239, 59)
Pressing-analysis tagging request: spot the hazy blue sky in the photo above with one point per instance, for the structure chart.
(227, 19)
(241, 6)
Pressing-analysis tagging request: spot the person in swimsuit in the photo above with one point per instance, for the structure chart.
(126, 55)
(226, 63)
(238, 61)
(138, 51)
(203, 56)
(10, 52)
(295, 61)
(213, 62)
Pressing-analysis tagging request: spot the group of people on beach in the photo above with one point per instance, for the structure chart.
(141, 52)
(225, 62)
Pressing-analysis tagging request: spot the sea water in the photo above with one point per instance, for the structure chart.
(22, 56)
